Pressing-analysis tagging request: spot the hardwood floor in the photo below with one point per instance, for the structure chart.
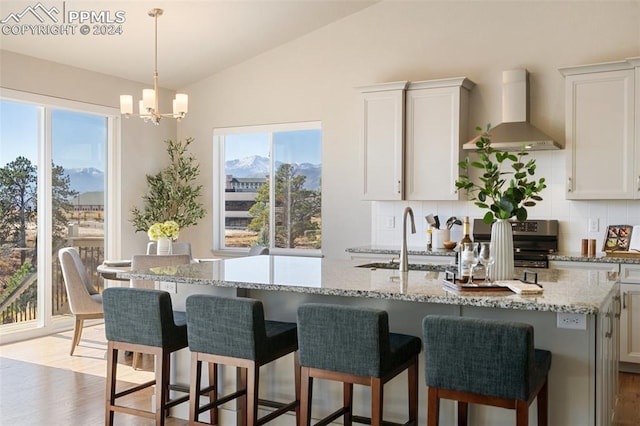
(40, 384)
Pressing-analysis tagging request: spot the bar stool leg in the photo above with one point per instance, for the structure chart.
(463, 411)
(412, 380)
(213, 393)
(243, 398)
(377, 396)
(543, 405)
(253, 379)
(194, 391)
(296, 383)
(347, 402)
(162, 377)
(306, 394)
(522, 413)
(112, 363)
(433, 407)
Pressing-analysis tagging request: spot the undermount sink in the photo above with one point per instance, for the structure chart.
(412, 266)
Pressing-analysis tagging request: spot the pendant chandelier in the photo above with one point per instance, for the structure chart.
(148, 106)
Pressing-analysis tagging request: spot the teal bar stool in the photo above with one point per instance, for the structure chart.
(482, 361)
(234, 332)
(353, 345)
(142, 320)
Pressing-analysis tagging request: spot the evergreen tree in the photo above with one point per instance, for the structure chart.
(295, 208)
(18, 202)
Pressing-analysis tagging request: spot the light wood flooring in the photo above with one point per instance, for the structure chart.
(40, 384)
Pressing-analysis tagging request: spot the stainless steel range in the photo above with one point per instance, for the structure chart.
(533, 240)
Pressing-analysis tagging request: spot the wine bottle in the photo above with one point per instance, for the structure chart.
(465, 232)
(464, 264)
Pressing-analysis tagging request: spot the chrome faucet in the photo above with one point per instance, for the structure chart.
(404, 258)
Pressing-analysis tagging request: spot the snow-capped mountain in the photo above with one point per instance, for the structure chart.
(258, 166)
(87, 179)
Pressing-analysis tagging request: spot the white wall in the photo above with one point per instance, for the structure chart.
(312, 78)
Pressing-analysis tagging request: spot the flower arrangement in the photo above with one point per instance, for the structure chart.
(168, 229)
(491, 194)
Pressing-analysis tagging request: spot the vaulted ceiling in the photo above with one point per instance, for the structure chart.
(195, 38)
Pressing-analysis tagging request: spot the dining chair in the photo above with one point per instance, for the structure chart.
(85, 302)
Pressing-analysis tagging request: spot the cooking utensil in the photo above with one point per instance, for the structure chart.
(431, 220)
(437, 221)
(451, 221)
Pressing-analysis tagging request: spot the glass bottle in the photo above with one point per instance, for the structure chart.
(466, 262)
(465, 232)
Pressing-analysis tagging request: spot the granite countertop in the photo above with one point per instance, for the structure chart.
(416, 251)
(573, 291)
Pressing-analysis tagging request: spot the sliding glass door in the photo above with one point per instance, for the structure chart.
(52, 195)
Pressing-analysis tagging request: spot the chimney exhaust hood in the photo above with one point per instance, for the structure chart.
(515, 132)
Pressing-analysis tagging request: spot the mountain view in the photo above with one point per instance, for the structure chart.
(89, 179)
(86, 179)
(258, 166)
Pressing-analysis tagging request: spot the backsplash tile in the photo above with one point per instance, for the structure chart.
(573, 216)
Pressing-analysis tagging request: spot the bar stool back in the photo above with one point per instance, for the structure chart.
(482, 361)
(234, 332)
(353, 345)
(142, 320)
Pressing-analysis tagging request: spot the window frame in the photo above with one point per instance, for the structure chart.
(219, 180)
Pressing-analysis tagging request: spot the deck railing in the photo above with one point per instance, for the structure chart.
(21, 305)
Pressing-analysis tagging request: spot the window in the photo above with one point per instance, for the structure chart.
(53, 167)
(270, 186)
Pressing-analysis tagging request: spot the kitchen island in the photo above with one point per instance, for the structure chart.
(582, 380)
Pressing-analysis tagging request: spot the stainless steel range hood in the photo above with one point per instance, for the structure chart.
(515, 132)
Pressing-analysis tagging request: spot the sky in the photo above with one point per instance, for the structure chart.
(301, 146)
(78, 139)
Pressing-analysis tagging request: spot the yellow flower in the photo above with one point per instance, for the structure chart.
(168, 229)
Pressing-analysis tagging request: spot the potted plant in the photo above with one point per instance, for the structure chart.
(172, 194)
(505, 188)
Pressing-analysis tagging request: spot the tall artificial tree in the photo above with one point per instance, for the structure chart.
(172, 192)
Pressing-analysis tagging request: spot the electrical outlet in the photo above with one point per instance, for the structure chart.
(390, 222)
(573, 321)
(168, 286)
(594, 225)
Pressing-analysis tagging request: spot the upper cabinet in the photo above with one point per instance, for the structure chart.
(381, 111)
(412, 135)
(602, 104)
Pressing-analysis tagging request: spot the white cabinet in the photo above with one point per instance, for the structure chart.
(630, 314)
(411, 150)
(435, 131)
(381, 111)
(600, 120)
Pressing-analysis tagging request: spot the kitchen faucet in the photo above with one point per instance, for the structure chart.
(404, 258)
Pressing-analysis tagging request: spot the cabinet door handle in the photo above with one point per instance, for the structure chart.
(610, 332)
(399, 187)
(638, 184)
(619, 303)
(624, 300)
(569, 185)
